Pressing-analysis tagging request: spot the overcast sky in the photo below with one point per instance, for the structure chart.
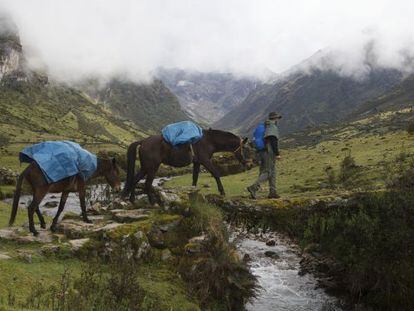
(74, 38)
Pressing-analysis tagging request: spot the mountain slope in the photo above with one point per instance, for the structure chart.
(150, 106)
(206, 97)
(308, 99)
(32, 108)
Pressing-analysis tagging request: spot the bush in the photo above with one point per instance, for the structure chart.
(372, 237)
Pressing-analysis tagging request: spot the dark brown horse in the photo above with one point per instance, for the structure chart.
(154, 150)
(34, 176)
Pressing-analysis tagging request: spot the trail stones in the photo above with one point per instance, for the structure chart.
(4, 256)
(74, 229)
(126, 216)
(271, 242)
(20, 235)
(78, 243)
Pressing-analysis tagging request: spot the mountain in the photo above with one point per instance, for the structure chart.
(33, 108)
(150, 106)
(206, 97)
(309, 97)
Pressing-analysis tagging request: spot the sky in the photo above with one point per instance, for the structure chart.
(76, 38)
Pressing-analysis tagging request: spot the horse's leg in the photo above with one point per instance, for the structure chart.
(213, 171)
(82, 194)
(138, 177)
(62, 203)
(41, 219)
(148, 186)
(196, 172)
(37, 198)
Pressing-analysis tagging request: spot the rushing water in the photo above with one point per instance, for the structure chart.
(282, 287)
(72, 205)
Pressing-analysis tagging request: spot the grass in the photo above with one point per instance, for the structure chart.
(302, 169)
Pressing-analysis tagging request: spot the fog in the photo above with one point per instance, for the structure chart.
(76, 38)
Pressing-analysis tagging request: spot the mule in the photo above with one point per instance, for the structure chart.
(34, 176)
(154, 150)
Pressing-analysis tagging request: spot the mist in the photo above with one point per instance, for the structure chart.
(75, 39)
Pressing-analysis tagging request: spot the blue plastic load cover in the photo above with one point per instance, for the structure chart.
(60, 159)
(182, 133)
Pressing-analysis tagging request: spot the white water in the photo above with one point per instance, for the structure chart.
(282, 287)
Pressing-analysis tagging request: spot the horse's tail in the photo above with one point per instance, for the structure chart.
(16, 196)
(131, 158)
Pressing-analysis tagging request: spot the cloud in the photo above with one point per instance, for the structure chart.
(77, 38)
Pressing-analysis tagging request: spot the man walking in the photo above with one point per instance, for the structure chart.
(271, 153)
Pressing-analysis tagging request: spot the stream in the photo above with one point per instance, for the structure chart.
(282, 288)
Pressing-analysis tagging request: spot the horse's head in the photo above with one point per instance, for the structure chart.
(110, 171)
(244, 153)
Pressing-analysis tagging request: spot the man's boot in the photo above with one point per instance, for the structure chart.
(252, 190)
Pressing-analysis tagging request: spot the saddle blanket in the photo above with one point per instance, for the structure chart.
(60, 159)
(182, 133)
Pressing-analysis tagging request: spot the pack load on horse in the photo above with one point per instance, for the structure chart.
(60, 167)
(180, 145)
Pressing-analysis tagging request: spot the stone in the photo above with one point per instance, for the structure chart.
(107, 227)
(51, 204)
(95, 209)
(168, 197)
(246, 258)
(50, 249)
(271, 254)
(167, 227)
(271, 242)
(78, 243)
(166, 255)
(126, 216)
(206, 186)
(156, 238)
(197, 239)
(20, 235)
(74, 229)
(4, 256)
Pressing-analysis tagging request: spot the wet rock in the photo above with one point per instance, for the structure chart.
(247, 258)
(126, 216)
(271, 254)
(51, 204)
(78, 243)
(271, 242)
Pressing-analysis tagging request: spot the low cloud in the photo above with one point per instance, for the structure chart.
(77, 38)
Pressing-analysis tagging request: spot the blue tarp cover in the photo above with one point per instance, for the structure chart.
(182, 133)
(60, 159)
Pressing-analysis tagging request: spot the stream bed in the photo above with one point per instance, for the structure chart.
(282, 288)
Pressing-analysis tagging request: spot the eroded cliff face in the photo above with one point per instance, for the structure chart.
(11, 56)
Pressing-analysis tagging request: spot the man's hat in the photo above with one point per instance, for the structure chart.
(274, 116)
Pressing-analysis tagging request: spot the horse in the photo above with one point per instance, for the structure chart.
(154, 150)
(34, 176)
